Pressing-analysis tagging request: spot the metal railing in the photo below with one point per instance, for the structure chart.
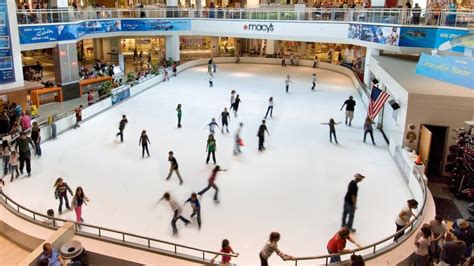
(174, 249)
(388, 242)
(394, 16)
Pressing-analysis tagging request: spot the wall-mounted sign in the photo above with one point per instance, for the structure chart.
(7, 73)
(155, 25)
(452, 69)
(261, 27)
(429, 37)
(374, 33)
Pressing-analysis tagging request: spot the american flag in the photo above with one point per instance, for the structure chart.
(377, 100)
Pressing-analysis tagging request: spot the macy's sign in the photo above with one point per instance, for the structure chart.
(259, 27)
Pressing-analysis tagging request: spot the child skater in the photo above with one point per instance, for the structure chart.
(179, 113)
(173, 167)
(261, 135)
(166, 76)
(225, 249)
(77, 201)
(236, 104)
(177, 212)
(212, 126)
(232, 99)
(211, 183)
(287, 83)
(211, 148)
(332, 129)
(315, 79)
(61, 189)
(270, 107)
(225, 119)
(211, 78)
(193, 200)
(175, 70)
(122, 124)
(238, 140)
(214, 67)
(270, 247)
(369, 129)
(144, 140)
(14, 165)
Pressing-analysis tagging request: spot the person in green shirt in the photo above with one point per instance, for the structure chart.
(178, 110)
(23, 145)
(211, 148)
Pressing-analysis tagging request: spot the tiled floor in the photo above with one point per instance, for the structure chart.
(10, 254)
(440, 190)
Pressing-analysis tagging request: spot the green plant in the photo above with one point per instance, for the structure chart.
(105, 88)
(130, 77)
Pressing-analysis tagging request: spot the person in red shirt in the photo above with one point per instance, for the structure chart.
(337, 244)
(225, 249)
(211, 183)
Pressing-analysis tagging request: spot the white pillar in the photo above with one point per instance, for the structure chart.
(253, 3)
(215, 46)
(172, 47)
(172, 3)
(370, 52)
(271, 47)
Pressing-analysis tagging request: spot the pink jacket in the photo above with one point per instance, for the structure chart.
(25, 122)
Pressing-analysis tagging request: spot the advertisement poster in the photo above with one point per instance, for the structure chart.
(7, 73)
(97, 26)
(429, 37)
(155, 25)
(452, 69)
(373, 33)
(47, 33)
(120, 96)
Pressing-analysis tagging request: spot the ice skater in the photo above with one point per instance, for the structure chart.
(236, 104)
(238, 140)
(211, 148)
(214, 67)
(212, 126)
(78, 113)
(225, 119)
(176, 212)
(211, 183)
(287, 83)
(143, 141)
(315, 61)
(166, 76)
(14, 165)
(78, 200)
(315, 79)
(350, 202)
(332, 129)
(261, 135)
(122, 124)
(209, 65)
(225, 249)
(61, 189)
(292, 58)
(175, 70)
(232, 99)
(270, 108)
(173, 167)
(23, 146)
(270, 247)
(368, 129)
(179, 113)
(6, 152)
(210, 78)
(350, 104)
(193, 200)
(283, 61)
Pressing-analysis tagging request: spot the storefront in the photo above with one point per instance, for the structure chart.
(145, 47)
(194, 47)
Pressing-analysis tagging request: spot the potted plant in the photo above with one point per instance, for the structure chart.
(105, 88)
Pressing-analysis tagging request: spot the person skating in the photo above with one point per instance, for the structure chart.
(237, 104)
(368, 129)
(212, 126)
(122, 124)
(211, 148)
(78, 114)
(315, 61)
(314, 80)
(210, 78)
(36, 138)
(214, 67)
(78, 200)
(287, 83)
(209, 65)
(225, 119)
(211, 183)
(175, 70)
(23, 146)
(270, 247)
(193, 200)
(261, 135)
(232, 99)
(332, 129)
(61, 189)
(143, 141)
(270, 108)
(14, 165)
(238, 140)
(225, 249)
(179, 113)
(350, 104)
(337, 244)
(350, 202)
(283, 61)
(176, 212)
(166, 76)
(173, 167)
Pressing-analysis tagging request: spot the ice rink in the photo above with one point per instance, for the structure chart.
(295, 187)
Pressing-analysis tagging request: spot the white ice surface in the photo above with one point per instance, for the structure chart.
(295, 187)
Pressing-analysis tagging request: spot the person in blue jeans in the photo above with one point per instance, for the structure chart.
(350, 203)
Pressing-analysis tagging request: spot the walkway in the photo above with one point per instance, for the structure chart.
(10, 254)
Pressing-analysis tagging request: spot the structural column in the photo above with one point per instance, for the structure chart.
(253, 3)
(67, 69)
(271, 47)
(172, 47)
(57, 3)
(370, 52)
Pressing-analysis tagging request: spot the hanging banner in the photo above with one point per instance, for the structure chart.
(155, 25)
(7, 73)
(429, 37)
(374, 33)
(452, 69)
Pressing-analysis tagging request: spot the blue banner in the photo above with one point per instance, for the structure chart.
(7, 73)
(451, 69)
(97, 26)
(155, 25)
(428, 37)
(47, 33)
(374, 33)
(120, 96)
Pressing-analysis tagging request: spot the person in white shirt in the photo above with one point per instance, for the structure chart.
(232, 99)
(238, 140)
(404, 216)
(439, 230)
(177, 212)
(270, 247)
(287, 82)
(422, 244)
(270, 107)
(315, 79)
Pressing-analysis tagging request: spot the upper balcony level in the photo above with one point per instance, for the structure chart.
(392, 16)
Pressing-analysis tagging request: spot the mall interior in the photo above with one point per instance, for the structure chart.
(72, 73)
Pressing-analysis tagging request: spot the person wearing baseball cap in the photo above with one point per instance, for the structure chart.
(350, 202)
